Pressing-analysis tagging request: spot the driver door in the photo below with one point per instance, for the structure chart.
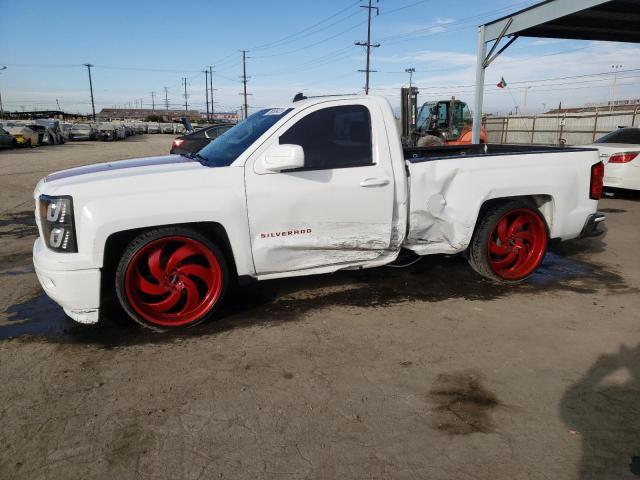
(338, 208)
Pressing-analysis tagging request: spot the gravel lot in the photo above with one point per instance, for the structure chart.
(427, 372)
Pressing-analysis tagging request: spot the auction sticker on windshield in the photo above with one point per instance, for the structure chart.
(275, 111)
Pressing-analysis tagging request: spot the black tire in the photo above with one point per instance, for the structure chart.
(478, 252)
(134, 249)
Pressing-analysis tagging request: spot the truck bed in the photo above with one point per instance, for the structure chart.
(448, 186)
(425, 154)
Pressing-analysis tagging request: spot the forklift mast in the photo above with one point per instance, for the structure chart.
(408, 113)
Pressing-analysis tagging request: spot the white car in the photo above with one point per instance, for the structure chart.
(620, 152)
(317, 186)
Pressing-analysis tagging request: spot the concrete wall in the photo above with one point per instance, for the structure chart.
(554, 129)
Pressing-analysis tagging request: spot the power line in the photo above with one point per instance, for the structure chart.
(319, 42)
(288, 38)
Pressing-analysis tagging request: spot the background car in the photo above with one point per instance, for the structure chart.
(153, 127)
(46, 136)
(54, 131)
(106, 131)
(66, 130)
(196, 141)
(6, 139)
(620, 153)
(82, 131)
(25, 137)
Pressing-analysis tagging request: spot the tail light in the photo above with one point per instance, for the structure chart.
(597, 178)
(177, 142)
(623, 157)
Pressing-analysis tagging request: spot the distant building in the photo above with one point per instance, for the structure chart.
(629, 104)
(142, 113)
(232, 117)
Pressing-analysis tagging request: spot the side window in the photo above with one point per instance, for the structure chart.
(334, 137)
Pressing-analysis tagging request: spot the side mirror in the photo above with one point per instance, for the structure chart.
(283, 157)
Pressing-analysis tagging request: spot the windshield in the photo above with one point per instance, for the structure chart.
(223, 151)
(424, 114)
(623, 135)
(81, 127)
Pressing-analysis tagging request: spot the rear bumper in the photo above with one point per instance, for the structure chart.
(592, 225)
(76, 291)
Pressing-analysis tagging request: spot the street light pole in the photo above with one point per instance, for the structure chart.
(410, 71)
(1, 109)
(615, 69)
(93, 107)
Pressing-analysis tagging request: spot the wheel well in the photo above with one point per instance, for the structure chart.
(544, 203)
(117, 242)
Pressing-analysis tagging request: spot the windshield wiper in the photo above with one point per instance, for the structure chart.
(195, 156)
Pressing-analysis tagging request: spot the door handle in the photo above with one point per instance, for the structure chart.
(374, 182)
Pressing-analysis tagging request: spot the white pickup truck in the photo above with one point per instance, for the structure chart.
(321, 185)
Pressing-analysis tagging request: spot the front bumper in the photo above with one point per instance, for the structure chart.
(76, 291)
(592, 225)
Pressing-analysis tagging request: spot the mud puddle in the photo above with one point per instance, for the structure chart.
(18, 225)
(464, 405)
(433, 279)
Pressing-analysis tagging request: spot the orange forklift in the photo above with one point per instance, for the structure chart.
(442, 122)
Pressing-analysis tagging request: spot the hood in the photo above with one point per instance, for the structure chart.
(129, 170)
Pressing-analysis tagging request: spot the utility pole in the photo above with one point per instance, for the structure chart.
(153, 101)
(211, 88)
(410, 71)
(368, 44)
(186, 104)
(93, 107)
(206, 91)
(244, 81)
(58, 104)
(166, 98)
(1, 109)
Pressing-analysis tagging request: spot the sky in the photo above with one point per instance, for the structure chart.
(141, 46)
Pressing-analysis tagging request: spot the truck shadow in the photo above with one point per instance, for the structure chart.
(603, 409)
(433, 279)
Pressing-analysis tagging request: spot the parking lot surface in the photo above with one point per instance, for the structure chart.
(425, 372)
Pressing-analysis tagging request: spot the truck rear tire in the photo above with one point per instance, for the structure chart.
(171, 278)
(509, 243)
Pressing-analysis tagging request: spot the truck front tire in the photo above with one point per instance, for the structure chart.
(171, 278)
(509, 243)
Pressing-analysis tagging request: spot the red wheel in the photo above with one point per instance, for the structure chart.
(509, 243)
(171, 281)
(517, 244)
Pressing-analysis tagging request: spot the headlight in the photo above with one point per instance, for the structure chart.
(56, 219)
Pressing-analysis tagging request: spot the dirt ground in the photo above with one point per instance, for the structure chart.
(428, 372)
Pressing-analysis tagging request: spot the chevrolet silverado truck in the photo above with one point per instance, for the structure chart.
(321, 185)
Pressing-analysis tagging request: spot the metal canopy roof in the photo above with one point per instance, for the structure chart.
(604, 20)
(607, 20)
